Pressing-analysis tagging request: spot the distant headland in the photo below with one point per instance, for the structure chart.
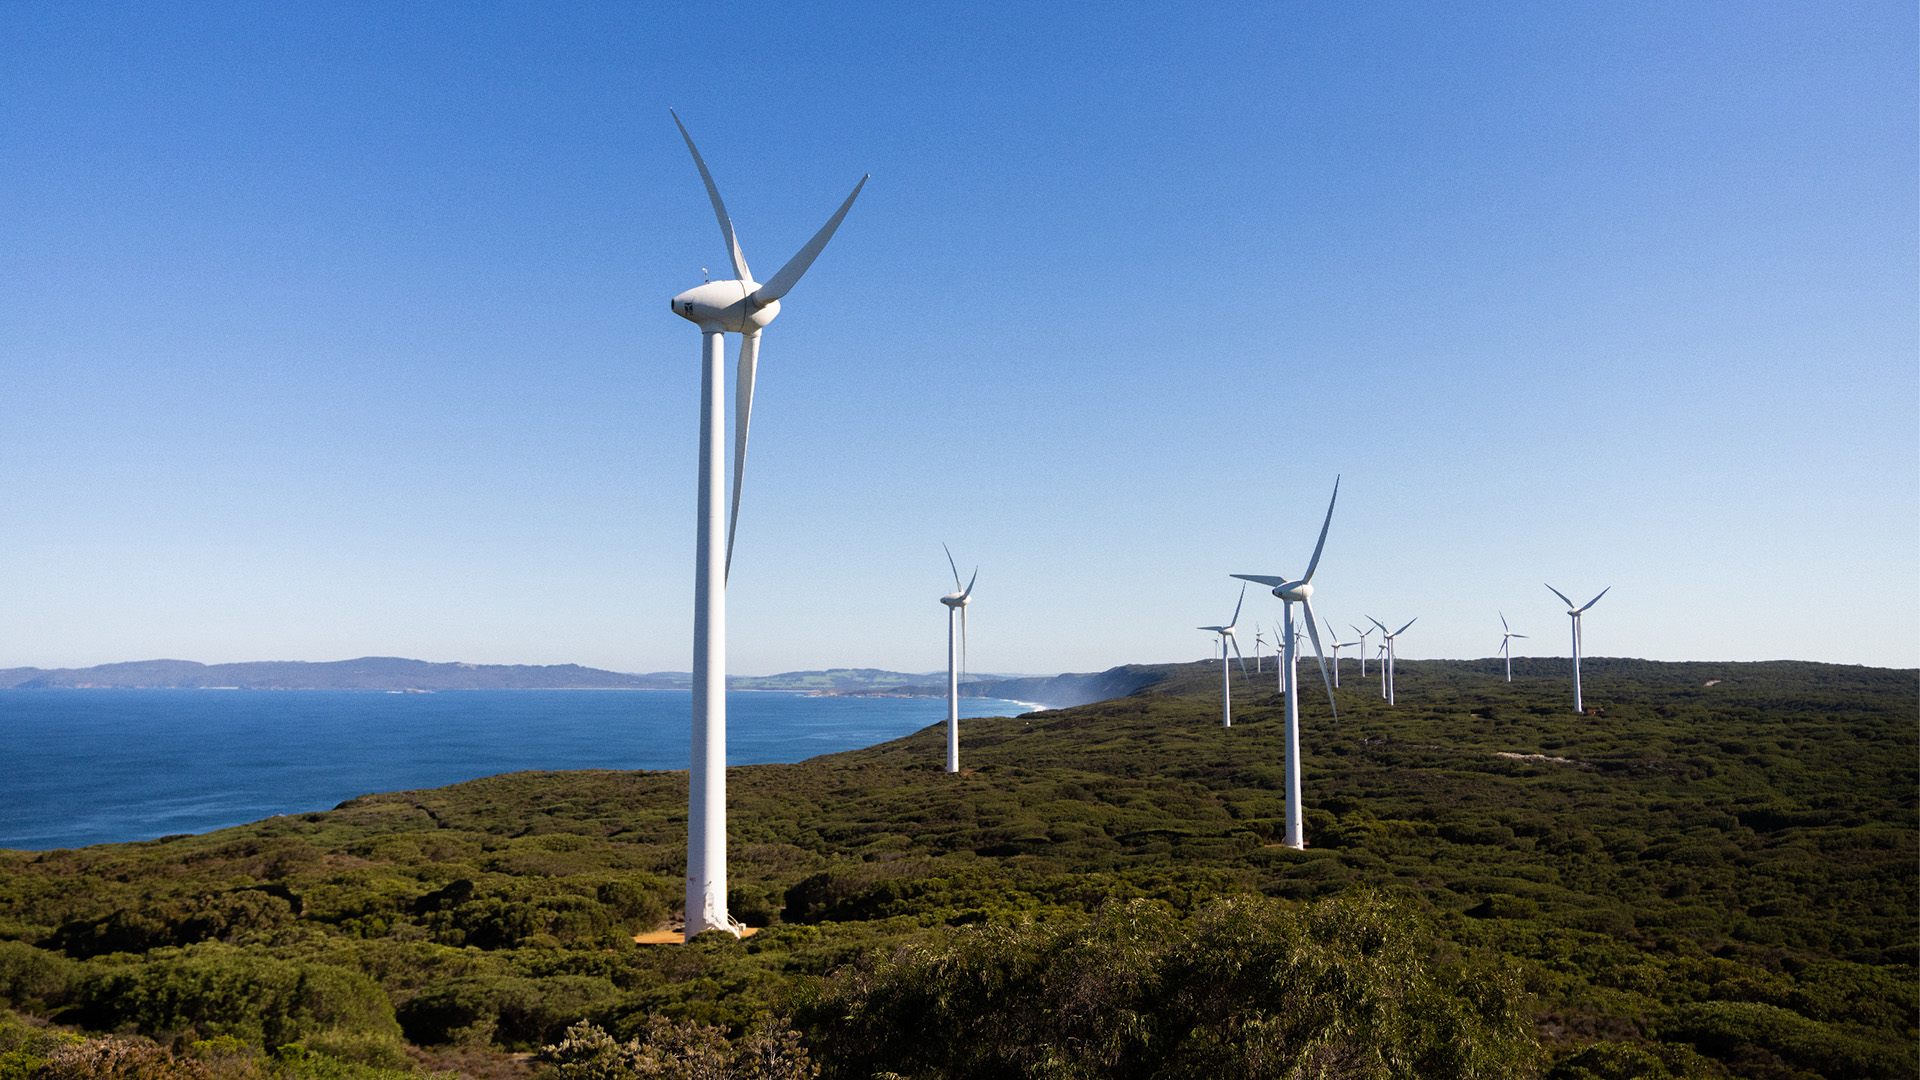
(398, 673)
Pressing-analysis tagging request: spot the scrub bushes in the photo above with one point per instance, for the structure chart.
(222, 990)
(1247, 988)
(670, 1050)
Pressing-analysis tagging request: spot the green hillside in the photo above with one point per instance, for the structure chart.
(1692, 880)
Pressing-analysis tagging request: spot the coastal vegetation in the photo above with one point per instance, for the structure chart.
(1710, 873)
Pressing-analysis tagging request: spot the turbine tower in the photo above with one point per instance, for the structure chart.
(1293, 592)
(1226, 672)
(741, 306)
(957, 600)
(1506, 642)
(1578, 709)
(1386, 682)
(1363, 648)
(1257, 641)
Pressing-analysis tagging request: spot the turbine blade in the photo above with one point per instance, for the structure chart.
(1258, 579)
(955, 569)
(1403, 629)
(789, 274)
(1519, 635)
(967, 593)
(1237, 652)
(1235, 621)
(1315, 561)
(719, 208)
(1562, 596)
(1378, 623)
(742, 418)
(1320, 656)
(1503, 623)
(1596, 599)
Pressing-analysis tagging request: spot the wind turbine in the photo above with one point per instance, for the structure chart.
(1226, 670)
(1336, 647)
(1576, 612)
(741, 306)
(1506, 643)
(957, 600)
(1257, 640)
(1387, 682)
(1363, 648)
(1291, 592)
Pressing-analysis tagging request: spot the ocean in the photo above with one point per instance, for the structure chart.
(81, 767)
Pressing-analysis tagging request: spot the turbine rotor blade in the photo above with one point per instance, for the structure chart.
(1378, 623)
(1596, 599)
(1503, 623)
(1315, 561)
(1237, 652)
(1260, 579)
(1320, 656)
(789, 274)
(1403, 629)
(955, 569)
(1235, 621)
(1519, 635)
(967, 593)
(719, 207)
(1562, 596)
(742, 418)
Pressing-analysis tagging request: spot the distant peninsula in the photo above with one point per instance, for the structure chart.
(397, 673)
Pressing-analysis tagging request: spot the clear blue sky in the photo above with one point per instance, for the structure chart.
(331, 330)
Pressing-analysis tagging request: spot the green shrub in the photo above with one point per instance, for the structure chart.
(510, 1010)
(33, 979)
(1247, 988)
(1724, 1028)
(222, 990)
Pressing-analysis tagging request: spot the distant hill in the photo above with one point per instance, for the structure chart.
(396, 673)
(366, 673)
(1052, 691)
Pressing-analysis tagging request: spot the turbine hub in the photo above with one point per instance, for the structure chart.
(1294, 590)
(723, 307)
(956, 600)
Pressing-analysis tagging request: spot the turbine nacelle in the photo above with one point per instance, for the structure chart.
(725, 307)
(1294, 590)
(956, 600)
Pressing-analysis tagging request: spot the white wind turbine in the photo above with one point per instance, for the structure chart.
(1506, 642)
(1363, 648)
(1257, 641)
(1386, 682)
(1576, 613)
(956, 601)
(1336, 646)
(739, 306)
(1293, 592)
(1226, 673)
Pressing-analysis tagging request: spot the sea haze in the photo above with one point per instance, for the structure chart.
(105, 766)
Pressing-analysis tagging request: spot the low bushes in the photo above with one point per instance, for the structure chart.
(1247, 988)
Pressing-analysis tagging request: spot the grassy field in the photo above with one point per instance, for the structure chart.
(1712, 873)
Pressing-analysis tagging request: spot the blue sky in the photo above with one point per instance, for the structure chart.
(342, 330)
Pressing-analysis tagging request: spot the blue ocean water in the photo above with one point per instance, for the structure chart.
(82, 767)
